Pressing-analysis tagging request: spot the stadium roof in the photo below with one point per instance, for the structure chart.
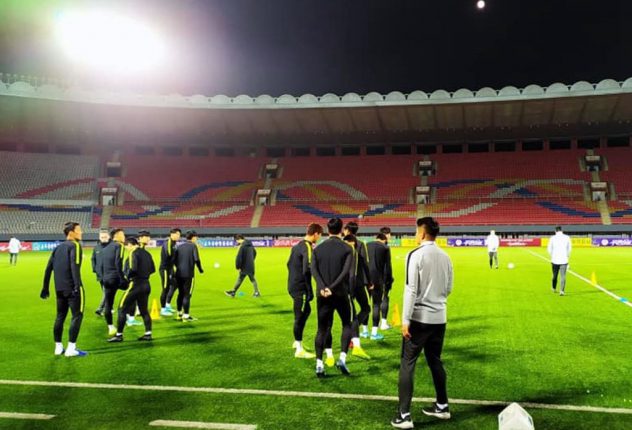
(534, 111)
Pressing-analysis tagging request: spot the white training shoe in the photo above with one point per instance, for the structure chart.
(75, 353)
(59, 350)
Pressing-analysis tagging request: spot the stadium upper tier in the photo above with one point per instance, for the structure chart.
(47, 176)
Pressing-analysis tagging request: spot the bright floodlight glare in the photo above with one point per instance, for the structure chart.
(109, 43)
(480, 4)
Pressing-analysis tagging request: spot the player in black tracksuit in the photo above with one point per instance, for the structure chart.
(299, 284)
(65, 262)
(187, 257)
(112, 258)
(245, 263)
(360, 289)
(138, 268)
(381, 271)
(167, 261)
(332, 264)
(97, 266)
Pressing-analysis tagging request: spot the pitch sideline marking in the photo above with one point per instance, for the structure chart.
(20, 416)
(279, 393)
(597, 286)
(201, 425)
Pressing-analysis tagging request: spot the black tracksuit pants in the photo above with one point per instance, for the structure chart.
(429, 339)
(76, 304)
(185, 291)
(302, 311)
(136, 294)
(168, 287)
(361, 316)
(327, 306)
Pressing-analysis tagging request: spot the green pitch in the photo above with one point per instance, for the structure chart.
(509, 339)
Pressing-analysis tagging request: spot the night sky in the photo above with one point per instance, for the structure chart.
(318, 46)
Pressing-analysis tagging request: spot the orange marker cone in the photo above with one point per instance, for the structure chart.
(396, 320)
(155, 310)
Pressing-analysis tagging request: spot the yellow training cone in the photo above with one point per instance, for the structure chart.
(593, 278)
(155, 310)
(396, 321)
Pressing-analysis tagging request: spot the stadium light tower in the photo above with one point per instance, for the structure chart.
(108, 42)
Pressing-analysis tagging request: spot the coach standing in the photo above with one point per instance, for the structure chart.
(560, 251)
(97, 266)
(428, 284)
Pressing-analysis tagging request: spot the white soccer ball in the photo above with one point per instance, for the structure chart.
(216, 265)
(511, 266)
(480, 4)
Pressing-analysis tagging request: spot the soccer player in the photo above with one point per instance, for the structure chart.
(65, 262)
(97, 266)
(493, 242)
(138, 268)
(386, 231)
(332, 265)
(381, 272)
(245, 263)
(167, 261)
(358, 290)
(299, 285)
(428, 283)
(560, 251)
(187, 257)
(14, 250)
(144, 237)
(112, 258)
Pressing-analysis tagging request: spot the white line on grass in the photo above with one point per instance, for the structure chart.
(278, 393)
(202, 425)
(589, 282)
(19, 416)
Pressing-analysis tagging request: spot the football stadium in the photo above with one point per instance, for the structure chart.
(280, 252)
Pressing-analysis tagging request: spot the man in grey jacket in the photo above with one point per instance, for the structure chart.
(428, 284)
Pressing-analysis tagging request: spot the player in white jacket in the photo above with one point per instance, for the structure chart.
(560, 251)
(493, 242)
(14, 250)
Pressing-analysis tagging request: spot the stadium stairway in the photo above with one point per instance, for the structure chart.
(106, 215)
(258, 212)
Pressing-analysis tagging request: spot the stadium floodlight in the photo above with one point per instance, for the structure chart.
(480, 4)
(108, 42)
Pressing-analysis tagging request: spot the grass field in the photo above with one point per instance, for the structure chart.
(509, 339)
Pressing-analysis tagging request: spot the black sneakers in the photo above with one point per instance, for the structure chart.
(230, 293)
(400, 422)
(437, 412)
(116, 338)
(145, 337)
